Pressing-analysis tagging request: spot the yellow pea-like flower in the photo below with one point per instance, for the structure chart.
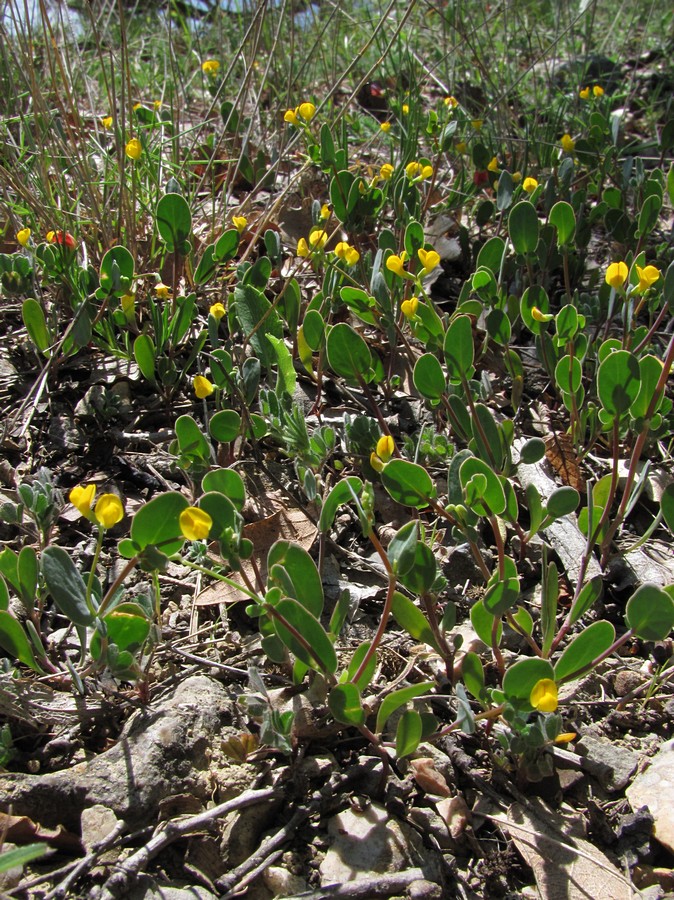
(163, 291)
(109, 510)
(492, 165)
(386, 171)
(202, 387)
(106, 121)
(396, 264)
(23, 236)
(318, 238)
(385, 447)
(81, 497)
(239, 222)
(195, 523)
(529, 185)
(568, 143)
(307, 111)
(598, 91)
(544, 696)
(647, 278)
(290, 116)
(217, 310)
(429, 259)
(409, 307)
(385, 127)
(616, 275)
(134, 149)
(210, 67)
(584, 93)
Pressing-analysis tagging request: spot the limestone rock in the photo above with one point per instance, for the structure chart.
(654, 788)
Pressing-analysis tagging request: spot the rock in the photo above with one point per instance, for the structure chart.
(163, 749)
(611, 764)
(369, 841)
(10, 878)
(654, 788)
(147, 889)
(97, 823)
(282, 882)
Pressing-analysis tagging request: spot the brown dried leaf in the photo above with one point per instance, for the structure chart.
(428, 778)
(289, 524)
(22, 830)
(562, 456)
(455, 812)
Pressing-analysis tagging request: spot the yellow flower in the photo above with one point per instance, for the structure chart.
(217, 311)
(376, 463)
(396, 264)
(106, 121)
(239, 222)
(477, 124)
(598, 91)
(290, 115)
(413, 169)
(565, 737)
(51, 237)
(427, 171)
(429, 259)
(303, 248)
(517, 177)
(195, 523)
(202, 387)
(325, 212)
(128, 303)
(529, 184)
(82, 497)
(406, 109)
(461, 146)
(134, 149)
(386, 171)
(109, 510)
(616, 275)
(307, 111)
(163, 291)
(137, 106)
(539, 316)
(349, 254)
(156, 104)
(647, 278)
(543, 697)
(492, 165)
(318, 238)
(584, 93)
(409, 307)
(23, 236)
(385, 447)
(451, 102)
(385, 127)
(210, 67)
(567, 143)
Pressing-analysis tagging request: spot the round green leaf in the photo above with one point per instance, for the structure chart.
(408, 483)
(158, 523)
(420, 577)
(343, 492)
(562, 502)
(520, 679)
(523, 227)
(534, 297)
(532, 451)
(348, 354)
(483, 621)
(650, 612)
(568, 374)
(307, 587)
(117, 271)
(396, 699)
(583, 649)
(66, 585)
(345, 704)
(618, 382)
(225, 425)
(459, 350)
(408, 733)
(563, 218)
(429, 378)
(493, 497)
(319, 652)
(174, 222)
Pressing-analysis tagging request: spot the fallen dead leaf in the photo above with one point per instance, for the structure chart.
(288, 524)
(428, 778)
(455, 812)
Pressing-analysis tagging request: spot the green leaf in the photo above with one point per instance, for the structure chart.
(410, 617)
(523, 227)
(396, 699)
(493, 497)
(502, 596)
(648, 215)
(618, 382)
(15, 643)
(429, 378)
(354, 664)
(650, 612)
(157, 523)
(650, 369)
(227, 482)
(286, 378)
(126, 625)
(314, 329)
(667, 505)
(117, 272)
(408, 733)
(534, 297)
(191, 441)
(483, 622)
(472, 673)
(4, 594)
(145, 354)
(226, 246)
(584, 649)
(566, 323)
(28, 572)
(549, 601)
(345, 704)
(459, 350)
(19, 856)
(408, 483)
(562, 502)
(532, 451)
(491, 255)
(414, 238)
(319, 653)
(174, 223)
(36, 325)
(66, 585)
(588, 596)
(420, 577)
(307, 587)
(520, 679)
(257, 319)
(563, 218)
(225, 426)
(222, 512)
(402, 548)
(342, 492)
(568, 374)
(348, 354)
